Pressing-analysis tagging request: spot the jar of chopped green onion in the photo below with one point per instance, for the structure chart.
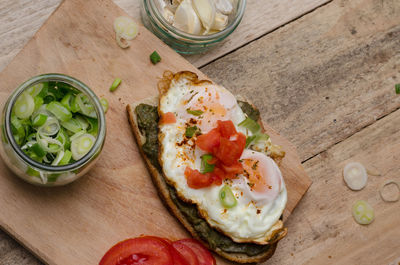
(52, 130)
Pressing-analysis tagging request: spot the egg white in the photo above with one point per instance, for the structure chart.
(256, 213)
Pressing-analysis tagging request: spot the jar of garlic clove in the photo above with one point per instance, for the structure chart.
(192, 26)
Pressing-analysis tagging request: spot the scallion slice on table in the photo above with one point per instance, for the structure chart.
(115, 84)
(397, 88)
(362, 212)
(54, 123)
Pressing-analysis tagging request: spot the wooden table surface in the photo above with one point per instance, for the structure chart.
(323, 74)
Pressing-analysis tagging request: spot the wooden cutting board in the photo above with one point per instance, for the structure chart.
(116, 200)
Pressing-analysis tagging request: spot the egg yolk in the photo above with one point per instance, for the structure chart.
(256, 175)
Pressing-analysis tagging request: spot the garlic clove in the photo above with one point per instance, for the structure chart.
(205, 9)
(220, 22)
(224, 6)
(186, 18)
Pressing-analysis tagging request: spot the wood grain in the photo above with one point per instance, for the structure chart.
(20, 20)
(323, 77)
(322, 229)
(76, 224)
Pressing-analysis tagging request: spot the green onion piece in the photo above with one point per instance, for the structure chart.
(72, 125)
(39, 120)
(50, 127)
(24, 106)
(104, 104)
(38, 102)
(31, 137)
(205, 166)
(66, 101)
(61, 112)
(38, 89)
(190, 131)
(115, 84)
(48, 98)
(63, 137)
(155, 57)
(66, 158)
(81, 145)
(83, 122)
(74, 105)
(194, 112)
(93, 126)
(397, 88)
(250, 139)
(85, 106)
(250, 124)
(261, 137)
(32, 172)
(53, 90)
(53, 177)
(226, 197)
(38, 150)
(18, 130)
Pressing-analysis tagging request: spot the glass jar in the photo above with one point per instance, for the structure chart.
(38, 173)
(181, 41)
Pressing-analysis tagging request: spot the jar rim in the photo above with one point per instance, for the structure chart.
(153, 13)
(74, 83)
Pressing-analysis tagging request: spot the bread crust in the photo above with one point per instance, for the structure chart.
(162, 186)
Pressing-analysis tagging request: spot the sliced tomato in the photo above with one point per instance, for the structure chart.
(167, 118)
(196, 180)
(189, 255)
(142, 250)
(203, 255)
(226, 128)
(177, 257)
(209, 141)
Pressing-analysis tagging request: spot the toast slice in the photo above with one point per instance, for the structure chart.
(168, 196)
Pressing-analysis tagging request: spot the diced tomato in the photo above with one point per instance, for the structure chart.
(226, 128)
(196, 180)
(209, 141)
(235, 168)
(189, 255)
(241, 142)
(228, 152)
(203, 255)
(167, 118)
(142, 250)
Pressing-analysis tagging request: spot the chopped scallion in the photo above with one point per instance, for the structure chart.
(115, 84)
(205, 165)
(397, 88)
(226, 197)
(155, 57)
(61, 112)
(250, 124)
(190, 131)
(194, 112)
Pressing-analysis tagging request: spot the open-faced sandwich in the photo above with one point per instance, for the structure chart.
(213, 166)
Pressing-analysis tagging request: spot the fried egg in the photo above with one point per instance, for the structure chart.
(260, 191)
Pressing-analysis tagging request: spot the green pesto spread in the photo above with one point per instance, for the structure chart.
(147, 117)
(251, 112)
